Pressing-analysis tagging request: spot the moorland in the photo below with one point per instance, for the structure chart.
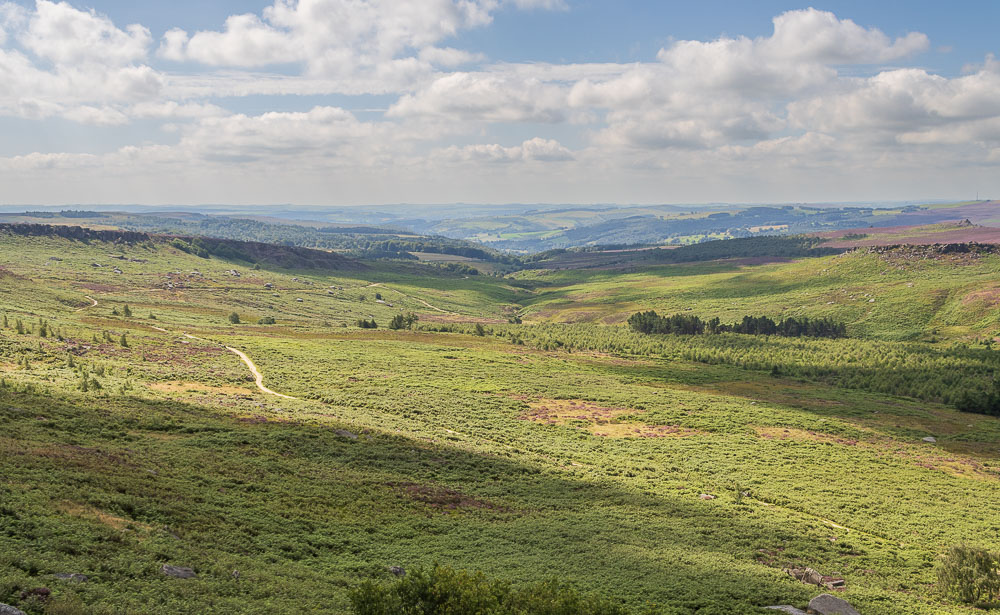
(213, 404)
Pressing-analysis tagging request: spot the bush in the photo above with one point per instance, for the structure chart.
(445, 591)
(234, 318)
(265, 320)
(970, 575)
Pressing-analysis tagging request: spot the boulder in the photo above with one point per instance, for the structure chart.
(787, 608)
(706, 496)
(73, 577)
(178, 572)
(930, 439)
(343, 433)
(397, 570)
(825, 604)
(6, 609)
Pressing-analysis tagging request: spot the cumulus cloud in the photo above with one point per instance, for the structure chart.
(64, 35)
(342, 38)
(537, 149)
(819, 36)
(492, 97)
(730, 105)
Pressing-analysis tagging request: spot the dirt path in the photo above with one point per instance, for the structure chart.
(87, 307)
(417, 299)
(258, 377)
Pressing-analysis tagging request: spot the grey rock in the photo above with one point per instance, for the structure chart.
(178, 572)
(930, 439)
(74, 577)
(787, 608)
(825, 604)
(397, 570)
(343, 433)
(6, 609)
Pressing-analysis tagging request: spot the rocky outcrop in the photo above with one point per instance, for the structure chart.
(825, 604)
(178, 572)
(812, 577)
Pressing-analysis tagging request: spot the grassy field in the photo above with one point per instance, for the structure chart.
(574, 451)
(896, 296)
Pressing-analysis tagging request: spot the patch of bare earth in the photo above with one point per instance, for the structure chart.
(443, 499)
(197, 387)
(599, 420)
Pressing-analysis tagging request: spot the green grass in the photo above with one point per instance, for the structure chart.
(178, 458)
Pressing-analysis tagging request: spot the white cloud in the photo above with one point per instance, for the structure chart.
(339, 37)
(64, 35)
(819, 36)
(492, 97)
(778, 109)
(537, 149)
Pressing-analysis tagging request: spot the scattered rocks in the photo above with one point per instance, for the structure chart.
(73, 577)
(706, 496)
(343, 433)
(787, 608)
(6, 609)
(178, 572)
(930, 439)
(397, 570)
(825, 604)
(812, 577)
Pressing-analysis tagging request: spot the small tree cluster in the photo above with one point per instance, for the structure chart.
(685, 324)
(367, 324)
(403, 321)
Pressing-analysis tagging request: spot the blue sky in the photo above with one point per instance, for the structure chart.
(334, 102)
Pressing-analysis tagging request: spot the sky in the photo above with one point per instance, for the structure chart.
(355, 102)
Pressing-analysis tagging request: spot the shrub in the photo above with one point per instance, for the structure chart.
(445, 591)
(970, 575)
(265, 320)
(234, 318)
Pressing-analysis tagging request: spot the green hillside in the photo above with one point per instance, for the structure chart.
(663, 472)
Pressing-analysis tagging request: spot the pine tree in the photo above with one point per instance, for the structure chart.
(127, 311)
(123, 341)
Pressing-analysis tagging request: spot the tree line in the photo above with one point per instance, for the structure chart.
(684, 324)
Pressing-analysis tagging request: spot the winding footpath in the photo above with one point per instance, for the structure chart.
(87, 307)
(257, 376)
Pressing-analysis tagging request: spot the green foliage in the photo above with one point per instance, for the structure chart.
(234, 318)
(684, 324)
(127, 311)
(980, 401)
(123, 341)
(445, 591)
(403, 321)
(266, 320)
(970, 575)
(367, 324)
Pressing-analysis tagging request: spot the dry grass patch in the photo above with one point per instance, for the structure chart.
(197, 387)
(599, 420)
(82, 511)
